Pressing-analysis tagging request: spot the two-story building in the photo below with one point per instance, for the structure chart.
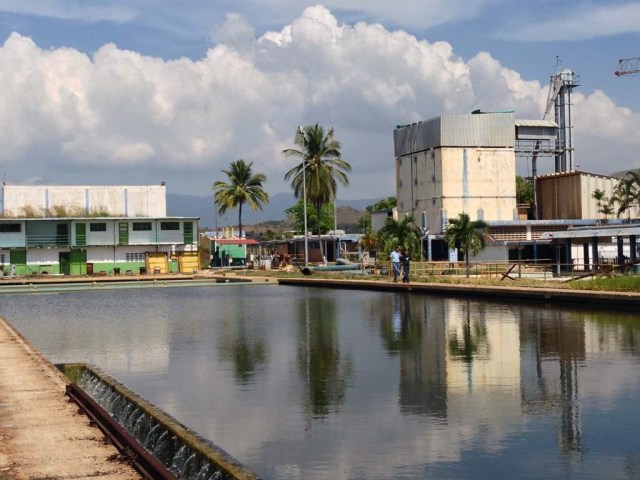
(123, 239)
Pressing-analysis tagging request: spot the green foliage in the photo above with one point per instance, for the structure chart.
(321, 169)
(619, 283)
(244, 187)
(369, 241)
(296, 216)
(626, 193)
(524, 190)
(466, 235)
(384, 204)
(403, 233)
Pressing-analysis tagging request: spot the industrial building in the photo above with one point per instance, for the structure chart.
(101, 230)
(467, 163)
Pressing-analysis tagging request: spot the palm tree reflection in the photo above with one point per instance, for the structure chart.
(320, 362)
(243, 346)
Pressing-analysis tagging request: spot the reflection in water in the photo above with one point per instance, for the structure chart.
(321, 365)
(394, 385)
(242, 345)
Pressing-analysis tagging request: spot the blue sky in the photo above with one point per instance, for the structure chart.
(146, 91)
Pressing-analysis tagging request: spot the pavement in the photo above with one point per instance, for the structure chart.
(42, 435)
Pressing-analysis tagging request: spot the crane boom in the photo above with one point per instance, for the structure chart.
(628, 66)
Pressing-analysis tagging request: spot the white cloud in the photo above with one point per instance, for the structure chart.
(581, 22)
(69, 10)
(67, 115)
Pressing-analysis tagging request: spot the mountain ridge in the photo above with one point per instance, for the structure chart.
(181, 205)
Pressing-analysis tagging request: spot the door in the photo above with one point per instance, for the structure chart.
(78, 262)
(123, 233)
(81, 234)
(187, 230)
(65, 264)
(19, 259)
(62, 234)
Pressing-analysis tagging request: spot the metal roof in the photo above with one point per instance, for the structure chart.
(607, 231)
(535, 123)
(235, 241)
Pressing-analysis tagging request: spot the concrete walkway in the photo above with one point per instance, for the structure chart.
(42, 435)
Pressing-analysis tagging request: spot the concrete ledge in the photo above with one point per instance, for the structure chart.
(539, 295)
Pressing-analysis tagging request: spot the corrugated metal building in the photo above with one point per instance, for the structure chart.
(569, 195)
(456, 163)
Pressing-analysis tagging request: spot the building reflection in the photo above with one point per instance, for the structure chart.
(490, 372)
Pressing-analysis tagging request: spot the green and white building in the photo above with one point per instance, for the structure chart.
(116, 243)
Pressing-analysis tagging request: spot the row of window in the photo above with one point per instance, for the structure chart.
(135, 257)
(101, 227)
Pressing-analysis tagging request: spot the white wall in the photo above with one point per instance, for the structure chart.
(132, 201)
(450, 181)
(44, 256)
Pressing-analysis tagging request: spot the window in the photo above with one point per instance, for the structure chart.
(135, 257)
(169, 225)
(9, 228)
(141, 226)
(97, 227)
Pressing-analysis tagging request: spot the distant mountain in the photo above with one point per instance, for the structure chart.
(193, 206)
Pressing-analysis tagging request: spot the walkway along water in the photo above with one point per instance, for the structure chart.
(42, 434)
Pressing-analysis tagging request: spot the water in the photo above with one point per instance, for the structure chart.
(301, 383)
(170, 450)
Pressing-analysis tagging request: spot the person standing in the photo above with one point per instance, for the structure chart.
(395, 263)
(406, 264)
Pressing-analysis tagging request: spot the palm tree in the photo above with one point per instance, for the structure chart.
(466, 235)
(627, 193)
(321, 166)
(600, 197)
(244, 187)
(403, 233)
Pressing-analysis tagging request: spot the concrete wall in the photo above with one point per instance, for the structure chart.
(50, 200)
(444, 182)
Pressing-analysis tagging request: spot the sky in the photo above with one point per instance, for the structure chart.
(138, 92)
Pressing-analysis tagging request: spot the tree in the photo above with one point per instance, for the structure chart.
(603, 204)
(244, 187)
(466, 235)
(296, 215)
(626, 192)
(524, 190)
(365, 220)
(403, 233)
(321, 166)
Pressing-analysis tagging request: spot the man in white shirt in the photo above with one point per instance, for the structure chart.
(395, 263)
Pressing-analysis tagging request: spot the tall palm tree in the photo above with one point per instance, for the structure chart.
(403, 233)
(321, 167)
(244, 187)
(466, 235)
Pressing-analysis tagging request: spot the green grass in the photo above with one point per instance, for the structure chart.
(620, 283)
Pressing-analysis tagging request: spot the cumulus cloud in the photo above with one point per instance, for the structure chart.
(119, 116)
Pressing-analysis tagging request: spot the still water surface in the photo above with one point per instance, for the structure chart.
(301, 383)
